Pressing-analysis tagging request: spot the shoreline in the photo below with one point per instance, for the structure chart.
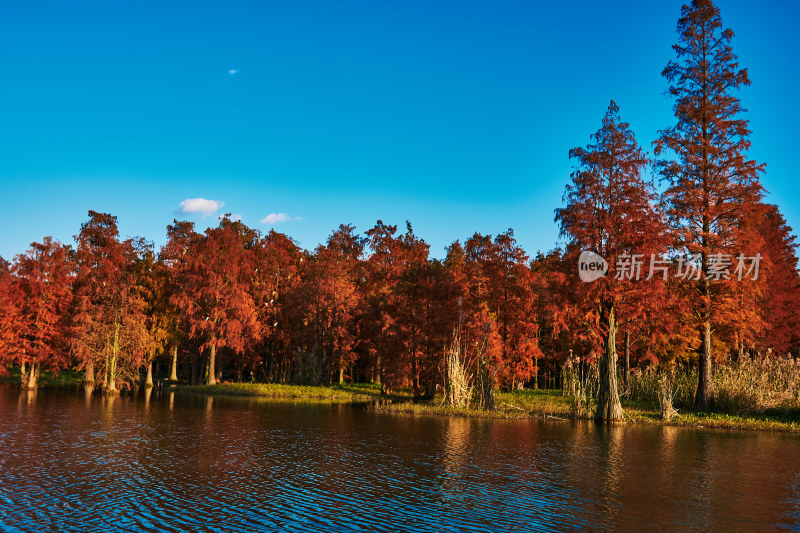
(528, 404)
(534, 404)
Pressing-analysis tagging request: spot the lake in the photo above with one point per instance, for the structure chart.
(180, 462)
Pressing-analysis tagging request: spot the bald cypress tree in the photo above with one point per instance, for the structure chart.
(711, 182)
(610, 210)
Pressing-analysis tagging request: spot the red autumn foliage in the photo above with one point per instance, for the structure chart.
(214, 296)
(40, 297)
(109, 324)
(779, 303)
(610, 210)
(712, 183)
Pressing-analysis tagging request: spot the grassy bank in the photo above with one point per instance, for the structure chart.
(355, 393)
(525, 404)
(65, 377)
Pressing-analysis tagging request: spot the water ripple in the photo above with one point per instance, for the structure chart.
(186, 463)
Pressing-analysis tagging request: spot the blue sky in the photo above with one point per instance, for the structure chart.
(457, 116)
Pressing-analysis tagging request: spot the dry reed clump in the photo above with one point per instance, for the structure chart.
(748, 386)
(580, 383)
(469, 378)
(753, 385)
(666, 395)
(569, 376)
(680, 384)
(457, 383)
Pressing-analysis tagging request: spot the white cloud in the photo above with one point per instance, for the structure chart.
(233, 71)
(201, 205)
(232, 218)
(274, 218)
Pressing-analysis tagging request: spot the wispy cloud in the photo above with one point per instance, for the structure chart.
(275, 218)
(201, 205)
(232, 218)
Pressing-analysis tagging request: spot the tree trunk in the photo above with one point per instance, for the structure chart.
(268, 366)
(609, 407)
(626, 363)
(415, 377)
(485, 385)
(23, 376)
(88, 373)
(341, 373)
(173, 373)
(430, 387)
(194, 368)
(112, 370)
(112, 375)
(31, 381)
(212, 356)
(148, 381)
(705, 382)
(33, 377)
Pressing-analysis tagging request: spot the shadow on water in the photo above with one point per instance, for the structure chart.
(155, 460)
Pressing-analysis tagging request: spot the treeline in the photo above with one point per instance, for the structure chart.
(235, 303)
(231, 303)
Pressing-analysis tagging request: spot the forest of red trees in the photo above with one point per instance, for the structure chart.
(232, 303)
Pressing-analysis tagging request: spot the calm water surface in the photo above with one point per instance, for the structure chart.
(186, 463)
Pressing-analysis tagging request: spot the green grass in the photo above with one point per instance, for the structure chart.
(542, 402)
(762, 422)
(46, 378)
(525, 404)
(517, 404)
(357, 393)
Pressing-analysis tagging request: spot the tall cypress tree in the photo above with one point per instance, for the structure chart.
(711, 182)
(609, 210)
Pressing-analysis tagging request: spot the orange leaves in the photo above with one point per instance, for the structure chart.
(10, 319)
(43, 277)
(109, 320)
(499, 289)
(215, 277)
(779, 299)
(713, 187)
(610, 210)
